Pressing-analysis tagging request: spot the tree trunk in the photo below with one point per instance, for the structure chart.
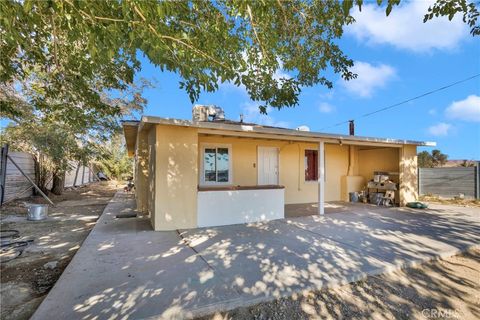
(58, 183)
(76, 173)
(40, 176)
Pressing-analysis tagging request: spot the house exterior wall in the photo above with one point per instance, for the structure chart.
(141, 172)
(176, 178)
(336, 166)
(378, 159)
(291, 166)
(408, 174)
(151, 151)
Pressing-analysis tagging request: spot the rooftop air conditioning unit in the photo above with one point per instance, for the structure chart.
(207, 113)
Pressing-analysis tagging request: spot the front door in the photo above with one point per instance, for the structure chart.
(267, 166)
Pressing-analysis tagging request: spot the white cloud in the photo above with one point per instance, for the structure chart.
(328, 95)
(467, 109)
(404, 27)
(440, 129)
(432, 112)
(251, 113)
(325, 107)
(369, 78)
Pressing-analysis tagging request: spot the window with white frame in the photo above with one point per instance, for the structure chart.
(216, 164)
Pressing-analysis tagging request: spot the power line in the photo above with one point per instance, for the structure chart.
(406, 101)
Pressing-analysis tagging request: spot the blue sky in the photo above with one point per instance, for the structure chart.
(397, 58)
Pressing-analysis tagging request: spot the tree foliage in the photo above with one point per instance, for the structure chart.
(82, 47)
(52, 146)
(431, 160)
(467, 163)
(450, 8)
(113, 159)
(71, 51)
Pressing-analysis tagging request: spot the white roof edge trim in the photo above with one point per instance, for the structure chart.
(278, 131)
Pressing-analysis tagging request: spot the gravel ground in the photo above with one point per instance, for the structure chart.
(26, 280)
(442, 289)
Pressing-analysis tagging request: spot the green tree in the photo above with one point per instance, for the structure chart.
(425, 160)
(113, 159)
(83, 47)
(431, 160)
(72, 51)
(52, 146)
(55, 143)
(467, 163)
(438, 158)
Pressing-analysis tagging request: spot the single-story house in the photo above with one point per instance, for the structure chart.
(212, 171)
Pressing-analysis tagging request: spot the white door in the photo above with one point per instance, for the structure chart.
(267, 166)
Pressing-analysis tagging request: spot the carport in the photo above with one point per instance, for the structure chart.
(366, 169)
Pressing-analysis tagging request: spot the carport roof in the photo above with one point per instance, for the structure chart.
(131, 128)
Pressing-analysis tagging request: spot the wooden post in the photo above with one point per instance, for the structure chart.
(477, 180)
(321, 178)
(3, 172)
(30, 180)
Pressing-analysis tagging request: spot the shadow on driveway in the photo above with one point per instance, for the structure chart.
(125, 270)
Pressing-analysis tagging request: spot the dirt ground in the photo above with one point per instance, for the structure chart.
(26, 280)
(443, 289)
(457, 202)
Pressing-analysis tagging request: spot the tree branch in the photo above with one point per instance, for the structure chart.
(205, 55)
(249, 11)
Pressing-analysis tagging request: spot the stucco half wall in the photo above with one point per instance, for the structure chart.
(175, 178)
(239, 206)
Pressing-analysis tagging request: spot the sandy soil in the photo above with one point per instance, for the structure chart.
(26, 280)
(444, 289)
(457, 202)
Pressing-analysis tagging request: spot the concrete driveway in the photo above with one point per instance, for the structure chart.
(125, 270)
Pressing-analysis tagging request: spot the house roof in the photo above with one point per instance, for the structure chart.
(131, 128)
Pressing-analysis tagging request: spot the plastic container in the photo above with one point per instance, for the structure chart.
(353, 196)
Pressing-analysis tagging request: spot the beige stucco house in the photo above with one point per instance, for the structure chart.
(192, 174)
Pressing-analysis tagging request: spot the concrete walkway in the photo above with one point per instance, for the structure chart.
(125, 270)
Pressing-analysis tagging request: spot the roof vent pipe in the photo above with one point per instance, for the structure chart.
(352, 127)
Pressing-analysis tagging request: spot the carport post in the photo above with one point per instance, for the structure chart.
(321, 178)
